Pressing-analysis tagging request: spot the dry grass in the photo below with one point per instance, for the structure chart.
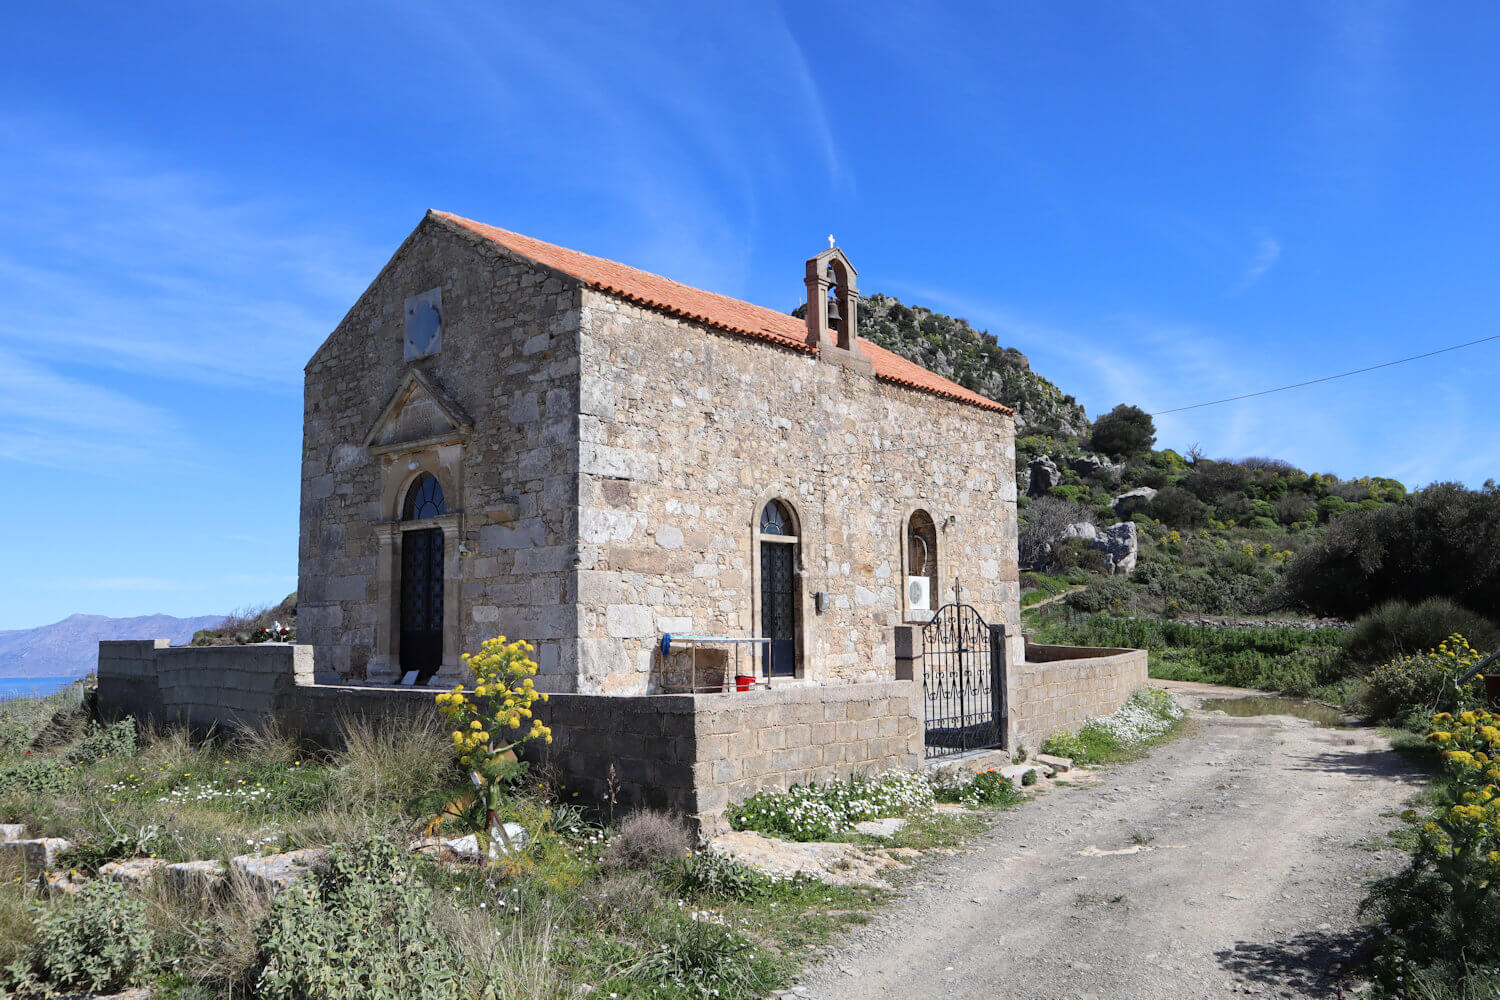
(392, 759)
(512, 960)
(16, 929)
(267, 745)
(645, 839)
(215, 938)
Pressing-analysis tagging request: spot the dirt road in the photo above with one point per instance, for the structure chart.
(1223, 863)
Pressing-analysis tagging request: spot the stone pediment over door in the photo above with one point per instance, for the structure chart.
(419, 415)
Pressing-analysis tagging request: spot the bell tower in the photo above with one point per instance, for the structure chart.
(833, 310)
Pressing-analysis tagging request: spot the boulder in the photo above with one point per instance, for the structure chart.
(1043, 476)
(1133, 501)
(880, 827)
(468, 847)
(136, 873)
(1120, 546)
(1088, 465)
(11, 832)
(1080, 529)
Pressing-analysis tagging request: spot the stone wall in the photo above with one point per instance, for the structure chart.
(495, 419)
(687, 433)
(604, 465)
(1058, 687)
(205, 687)
(693, 754)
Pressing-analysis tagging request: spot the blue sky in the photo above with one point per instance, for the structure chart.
(1156, 205)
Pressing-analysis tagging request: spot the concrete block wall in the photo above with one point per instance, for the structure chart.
(691, 753)
(1059, 687)
(201, 686)
(784, 736)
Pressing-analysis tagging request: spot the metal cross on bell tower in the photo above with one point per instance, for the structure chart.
(830, 241)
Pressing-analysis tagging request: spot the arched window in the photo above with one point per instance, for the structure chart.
(424, 499)
(779, 599)
(775, 519)
(921, 562)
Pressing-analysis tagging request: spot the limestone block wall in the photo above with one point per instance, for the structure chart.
(687, 432)
(1059, 687)
(509, 363)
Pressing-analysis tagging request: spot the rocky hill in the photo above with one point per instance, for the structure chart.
(70, 648)
(975, 360)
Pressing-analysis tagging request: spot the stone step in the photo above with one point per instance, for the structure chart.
(1058, 764)
(136, 873)
(37, 855)
(272, 873)
(195, 879)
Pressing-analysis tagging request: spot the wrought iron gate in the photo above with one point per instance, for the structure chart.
(963, 682)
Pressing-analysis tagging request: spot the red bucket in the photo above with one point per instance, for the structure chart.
(743, 682)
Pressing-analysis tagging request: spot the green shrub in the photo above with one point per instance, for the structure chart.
(359, 929)
(1436, 921)
(715, 876)
(1396, 629)
(35, 774)
(1028, 778)
(95, 941)
(984, 788)
(817, 812)
(1422, 684)
(117, 740)
(1443, 541)
(700, 958)
(127, 843)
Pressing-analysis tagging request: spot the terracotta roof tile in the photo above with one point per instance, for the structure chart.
(710, 308)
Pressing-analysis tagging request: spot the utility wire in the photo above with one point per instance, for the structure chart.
(1329, 378)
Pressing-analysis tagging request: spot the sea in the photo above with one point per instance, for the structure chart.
(32, 687)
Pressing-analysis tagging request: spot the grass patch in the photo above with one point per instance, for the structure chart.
(634, 911)
(1150, 716)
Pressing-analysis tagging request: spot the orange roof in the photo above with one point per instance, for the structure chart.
(710, 308)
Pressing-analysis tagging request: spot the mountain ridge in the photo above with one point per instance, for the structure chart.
(69, 647)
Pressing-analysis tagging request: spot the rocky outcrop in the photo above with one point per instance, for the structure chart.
(1089, 465)
(1120, 546)
(1133, 501)
(1043, 475)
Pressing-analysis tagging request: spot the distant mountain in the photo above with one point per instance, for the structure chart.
(70, 648)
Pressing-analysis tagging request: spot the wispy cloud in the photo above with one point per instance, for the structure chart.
(1267, 253)
(54, 419)
(148, 269)
(680, 144)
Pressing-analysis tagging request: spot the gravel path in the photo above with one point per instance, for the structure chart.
(1222, 863)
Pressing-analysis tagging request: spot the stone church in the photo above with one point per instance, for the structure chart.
(504, 436)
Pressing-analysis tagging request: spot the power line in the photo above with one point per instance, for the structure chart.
(1329, 378)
